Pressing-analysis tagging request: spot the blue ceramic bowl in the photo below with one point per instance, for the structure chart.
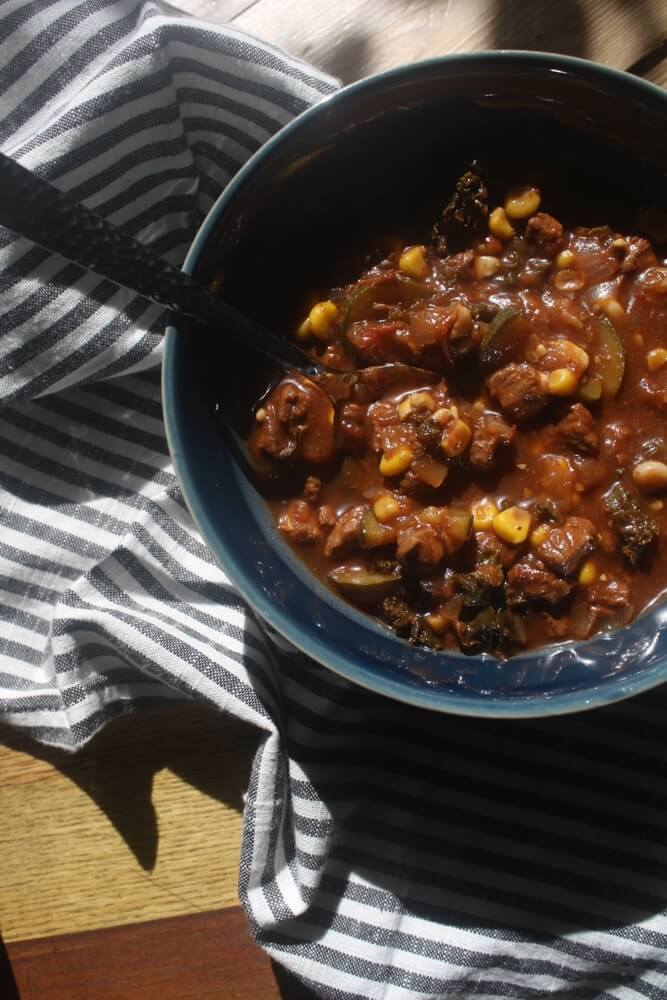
(367, 151)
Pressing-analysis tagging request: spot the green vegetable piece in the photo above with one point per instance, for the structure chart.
(607, 358)
(398, 291)
(459, 525)
(374, 534)
(364, 586)
(635, 528)
(504, 338)
(590, 389)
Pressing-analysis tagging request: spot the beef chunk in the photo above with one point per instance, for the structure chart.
(578, 430)
(492, 434)
(653, 389)
(300, 523)
(520, 390)
(610, 594)
(492, 549)
(347, 529)
(296, 420)
(639, 255)
(566, 545)
(420, 543)
(311, 488)
(326, 516)
(530, 580)
(458, 267)
(635, 528)
(546, 233)
(352, 427)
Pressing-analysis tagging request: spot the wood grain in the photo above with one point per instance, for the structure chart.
(658, 73)
(351, 39)
(209, 955)
(144, 822)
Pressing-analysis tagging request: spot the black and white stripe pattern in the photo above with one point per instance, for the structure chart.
(387, 853)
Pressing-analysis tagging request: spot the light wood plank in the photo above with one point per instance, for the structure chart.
(145, 822)
(658, 74)
(351, 39)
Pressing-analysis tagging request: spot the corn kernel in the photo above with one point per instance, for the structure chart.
(485, 266)
(500, 225)
(613, 309)
(562, 382)
(512, 525)
(413, 262)
(540, 534)
(564, 259)
(260, 416)
(656, 359)
(415, 401)
(303, 330)
(322, 319)
(483, 513)
(455, 438)
(522, 202)
(588, 573)
(385, 508)
(397, 461)
(656, 505)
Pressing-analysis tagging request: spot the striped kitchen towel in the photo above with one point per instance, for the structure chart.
(387, 853)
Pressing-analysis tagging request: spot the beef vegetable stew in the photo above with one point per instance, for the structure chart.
(508, 489)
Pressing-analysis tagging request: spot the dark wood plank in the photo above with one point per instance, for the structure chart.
(194, 957)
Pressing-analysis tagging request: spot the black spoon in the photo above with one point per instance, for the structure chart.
(32, 207)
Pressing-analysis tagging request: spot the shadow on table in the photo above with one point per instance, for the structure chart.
(8, 987)
(207, 750)
(540, 25)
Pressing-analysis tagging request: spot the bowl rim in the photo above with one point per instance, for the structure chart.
(540, 705)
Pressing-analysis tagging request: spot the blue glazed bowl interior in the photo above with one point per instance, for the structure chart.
(388, 150)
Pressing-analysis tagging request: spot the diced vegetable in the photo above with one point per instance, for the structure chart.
(488, 632)
(590, 389)
(413, 262)
(636, 529)
(374, 534)
(607, 358)
(457, 527)
(430, 472)
(504, 338)
(398, 291)
(364, 586)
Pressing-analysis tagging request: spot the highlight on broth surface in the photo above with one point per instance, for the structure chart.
(514, 496)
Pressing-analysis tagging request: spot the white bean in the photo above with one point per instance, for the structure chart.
(650, 476)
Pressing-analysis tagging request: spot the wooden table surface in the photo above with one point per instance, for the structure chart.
(119, 863)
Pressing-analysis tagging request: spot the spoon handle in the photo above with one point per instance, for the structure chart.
(36, 209)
